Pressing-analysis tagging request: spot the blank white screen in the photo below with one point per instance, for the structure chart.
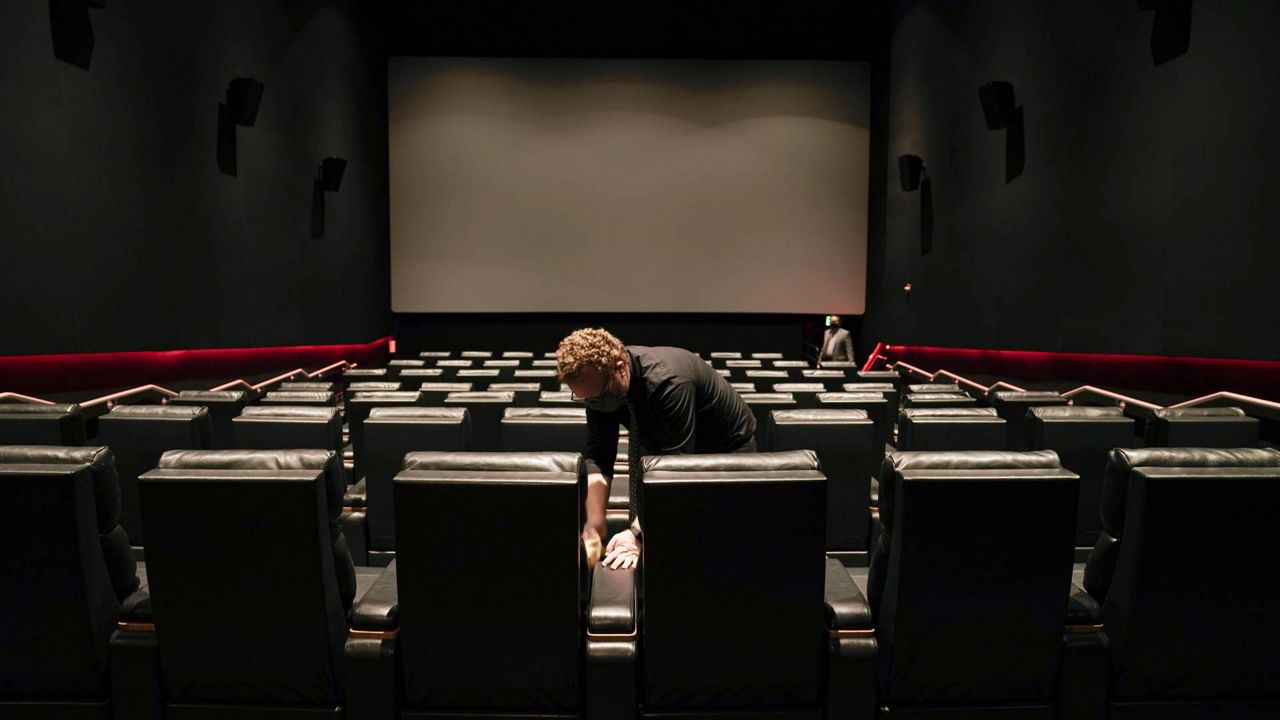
(569, 185)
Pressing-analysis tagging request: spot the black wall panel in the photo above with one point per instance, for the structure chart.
(118, 230)
(1145, 219)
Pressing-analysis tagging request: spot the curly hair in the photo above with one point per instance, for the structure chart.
(588, 347)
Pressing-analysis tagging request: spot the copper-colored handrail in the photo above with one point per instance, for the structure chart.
(1234, 397)
(25, 398)
(1003, 384)
(341, 364)
(911, 368)
(114, 398)
(1121, 400)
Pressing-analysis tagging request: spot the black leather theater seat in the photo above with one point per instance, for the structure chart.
(805, 393)
(307, 386)
(970, 583)
(557, 398)
(545, 377)
(1185, 572)
(434, 393)
(138, 435)
(757, 375)
(373, 386)
(526, 394)
(287, 427)
(1012, 405)
(223, 407)
(544, 429)
(65, 570)
(744, 633)
(399, 365)
(877, 406)
(850, 450)
(230, 634)
(433, 355)
(390, 434)
(1082, 437)
(486, 409)
(299, 397)
(488, 621)
(410, 377)
(354, 375)
(938, 400)
(833, 380)
(889, 376)
(950, 429)
(359, 406)
(938, 387)
(41, 424)
(1214, 427)
(761, 404)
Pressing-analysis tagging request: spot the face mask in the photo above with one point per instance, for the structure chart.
(608, 403)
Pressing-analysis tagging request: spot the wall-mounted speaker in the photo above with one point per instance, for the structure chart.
(331, 170)
(244, 95)
(910, 170)
(72, 31)
(998, 104)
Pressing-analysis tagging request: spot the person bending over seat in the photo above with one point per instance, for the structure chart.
(671, 401)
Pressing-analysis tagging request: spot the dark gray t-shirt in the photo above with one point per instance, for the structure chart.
(676, 404)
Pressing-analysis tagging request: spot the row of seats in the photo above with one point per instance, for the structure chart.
(246, 607)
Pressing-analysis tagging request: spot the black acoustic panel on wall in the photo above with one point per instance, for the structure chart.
(998, 104)
(1170, 29)
(910, 170)
(72, 30)
(244, 95)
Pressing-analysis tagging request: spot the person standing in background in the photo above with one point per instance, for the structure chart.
(837, 344)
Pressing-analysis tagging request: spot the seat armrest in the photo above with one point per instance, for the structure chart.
(1082, 609)
(846, 607)
(137, 607)
(378, 611)
(612, 609)
(355, 496)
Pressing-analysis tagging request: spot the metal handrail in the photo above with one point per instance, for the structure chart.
(1234, 397)
(114, 398)
(25, 398)
(1122, 400)
(341, 364)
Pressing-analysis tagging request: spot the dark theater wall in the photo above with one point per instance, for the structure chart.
(119, 231)
(1145, 219)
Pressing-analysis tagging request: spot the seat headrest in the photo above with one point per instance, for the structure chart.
(874, 373)
(502, 363)
(733, 462)
(373, 387)
(406, 363)
(479, 372)
(480, 396)
(1072, 412)
(385, 395)
(417, 413)
(918, 412)
(421, 372)
(54, 455)
(819, 416)
(799, 387)
(289, 412)
(312, 386)
(212, 395)
(434, 354)
(823, 373)
(934, 387)
(517, 354)
(764, 373)
(971, 460)
(284, 395)
(1122, 461)
(1025, 394)
(1200, 412)
(365, 372)
(555, 396)
(558, 462)
(173, 412)
(246, 459)
(851, 397)
(869, 387)
(445, 387)
(37, 409)
(515, 387)
(535, 372)
(769, 398)
(551, 413)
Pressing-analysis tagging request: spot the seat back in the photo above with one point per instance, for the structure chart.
(1012, 405)
(391, 433)
(938, 400)
(931, 428)
(281, 427)
(805, 393)
(850, 451)
(66, 567)
(526, 393)
(544, 429)
(373, 386)
(1214, 427)
(138, 435)
(971, 604)
(41, 424)
(434, 393)
(223, 406)
(544, 376)
(934, 387)
(876, 405)
(359, 406)
(320, 398)
(266, 630)
(314, 386)
(1082, 437)
(831, 379)
(738, 631)
(1208, 634)
(486, 409)
(355, 375)
(761, 404)
(889, 390)
(460, 607)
